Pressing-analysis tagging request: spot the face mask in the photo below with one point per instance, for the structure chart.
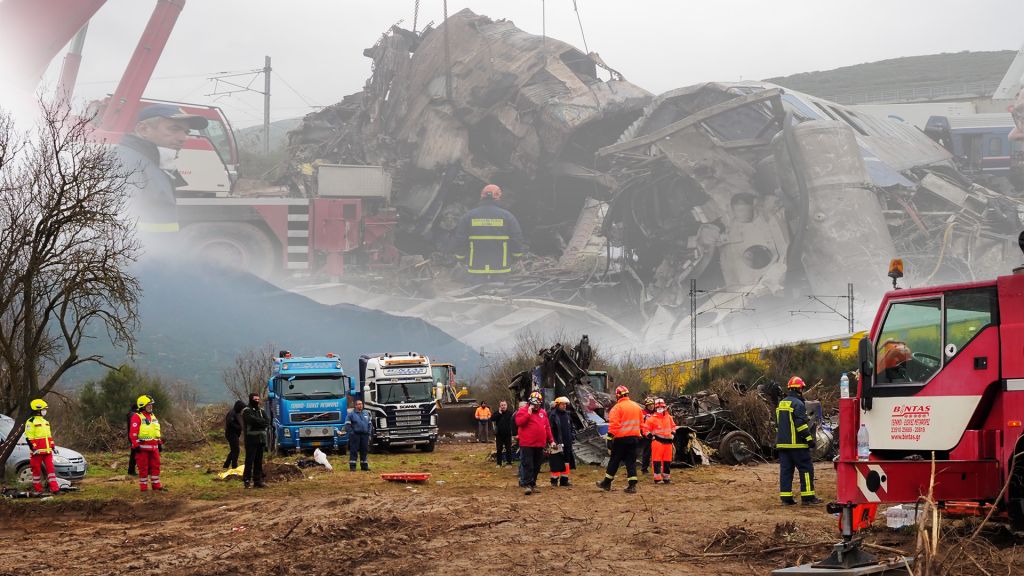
(661, 410)
(168, 158)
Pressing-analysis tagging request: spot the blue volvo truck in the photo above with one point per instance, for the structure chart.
(307, 403)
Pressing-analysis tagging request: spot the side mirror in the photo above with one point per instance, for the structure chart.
(350, 386)
(865, 351)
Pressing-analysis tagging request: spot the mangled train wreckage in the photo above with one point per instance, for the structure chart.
(758, 193)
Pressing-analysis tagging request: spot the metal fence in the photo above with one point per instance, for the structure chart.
(917, 94)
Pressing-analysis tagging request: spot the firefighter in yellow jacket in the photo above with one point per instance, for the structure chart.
(40, 442)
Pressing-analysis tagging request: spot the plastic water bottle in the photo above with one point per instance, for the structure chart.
(844, 386)
(863, 449)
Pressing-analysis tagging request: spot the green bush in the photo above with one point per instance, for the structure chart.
(111, 397)
(736, 370)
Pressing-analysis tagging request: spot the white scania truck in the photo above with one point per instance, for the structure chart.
(399, 391)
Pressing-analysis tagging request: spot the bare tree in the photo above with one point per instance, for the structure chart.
(65, 244)
(250, 372)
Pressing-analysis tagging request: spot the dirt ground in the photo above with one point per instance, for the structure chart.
(712, 520)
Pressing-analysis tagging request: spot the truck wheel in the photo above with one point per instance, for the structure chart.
(234, 245)
(427, 447)
(737, 447)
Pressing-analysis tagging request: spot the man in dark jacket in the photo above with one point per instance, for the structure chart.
(504, 421)
(488, 237)
(359, 429)
(232, 430)
(131, 451)
(562, 459)
(147, 153)
(254, 423)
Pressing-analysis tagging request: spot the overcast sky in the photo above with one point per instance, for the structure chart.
(316, 45)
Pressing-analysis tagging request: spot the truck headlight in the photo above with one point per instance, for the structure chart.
(433, 419)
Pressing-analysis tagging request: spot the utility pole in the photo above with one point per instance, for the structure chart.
(266, 106)
(693, 314)
(831, 309)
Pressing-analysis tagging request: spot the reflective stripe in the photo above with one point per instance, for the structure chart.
(149, 429)
(791, 446)
(490, 271)
(488, 237)
(158, 227)
(629, 426)
(487, 222)
(785, 494)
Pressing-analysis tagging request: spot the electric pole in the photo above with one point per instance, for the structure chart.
(266, 106)
(831, 309)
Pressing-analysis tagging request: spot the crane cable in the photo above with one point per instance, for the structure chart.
(415, 15)
(580, 21)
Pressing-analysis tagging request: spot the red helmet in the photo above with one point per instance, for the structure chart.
(796, 382)
(659, 403)
(536, 398)
(621, 391)
(491, 191)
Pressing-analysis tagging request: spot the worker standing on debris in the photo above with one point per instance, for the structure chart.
(534, 435)
(232, 431)
(624, 422)
(660, 430)
(488, 237)
(645, 442)
(254, 426)
(149, 154)
(562, 459)
(503, 428)
(483, 422)
(147, 443)
(40, 444)
(794, 441)
(359, 427)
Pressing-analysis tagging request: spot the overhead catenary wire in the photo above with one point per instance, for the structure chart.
(580, 21)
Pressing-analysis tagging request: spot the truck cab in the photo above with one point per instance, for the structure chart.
(308, 403)
(942, 378)
(399, 391)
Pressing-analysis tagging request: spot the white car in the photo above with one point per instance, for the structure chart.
(69, 465)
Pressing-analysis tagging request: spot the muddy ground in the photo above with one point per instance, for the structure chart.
(712, 520)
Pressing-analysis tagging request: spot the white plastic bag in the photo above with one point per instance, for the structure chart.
(320, 458)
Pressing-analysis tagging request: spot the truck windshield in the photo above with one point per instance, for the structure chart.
(307, 387)
(405, 392)
(440, 374)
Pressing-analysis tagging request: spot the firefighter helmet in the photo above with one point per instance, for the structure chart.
(796, 382)
(491, 191)
(659, 403)
(621, 391)
(536, 398)
(649, 401)
(143, 401)
(38, 404)
(561, 400)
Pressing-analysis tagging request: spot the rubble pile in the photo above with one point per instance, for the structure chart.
(759, 194)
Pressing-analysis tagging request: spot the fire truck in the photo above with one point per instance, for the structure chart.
(347, 222)
(941, 401)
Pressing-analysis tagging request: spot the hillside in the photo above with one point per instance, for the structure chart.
(196, 320)
(250, 139)
(931, 71)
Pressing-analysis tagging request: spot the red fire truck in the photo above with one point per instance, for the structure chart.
(941, 401)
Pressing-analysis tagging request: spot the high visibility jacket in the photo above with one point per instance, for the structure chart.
(38, 435)
(483, 413)
(151, 189)
(625, 418)
(794, 427)
(488, 238)
(145, 431)
(661, 425)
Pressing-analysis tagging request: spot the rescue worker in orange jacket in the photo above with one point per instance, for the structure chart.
(488, 237)
(40, 443)
(483, 422)
(624, 431)
(147, 443)
(660, 429)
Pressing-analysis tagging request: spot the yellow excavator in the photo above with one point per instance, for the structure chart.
(455, 415)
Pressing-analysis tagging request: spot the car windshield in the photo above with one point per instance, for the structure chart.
(5, 427)
(405, 392)
(301, 387)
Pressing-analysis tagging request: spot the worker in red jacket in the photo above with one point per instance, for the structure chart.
(624, 422)
(40, 444)
(534, 435)
(147, 442)
(660, 429)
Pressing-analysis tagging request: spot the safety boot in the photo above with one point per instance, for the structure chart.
(811, 501)
(554, 482)
(605, 484)
(630, 488)
(788, 502)
(564, 481)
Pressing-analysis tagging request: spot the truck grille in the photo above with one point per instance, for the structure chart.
(408, 418)
(315, 417)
